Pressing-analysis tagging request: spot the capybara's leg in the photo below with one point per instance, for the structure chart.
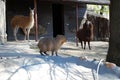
(56, 53)
(46, 54)
(52, 53)
(41, 53)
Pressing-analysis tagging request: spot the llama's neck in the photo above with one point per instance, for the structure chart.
(31, 16)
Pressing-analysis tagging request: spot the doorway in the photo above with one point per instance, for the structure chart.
(58, 19)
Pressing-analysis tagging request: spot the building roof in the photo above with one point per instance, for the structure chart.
(101, 2)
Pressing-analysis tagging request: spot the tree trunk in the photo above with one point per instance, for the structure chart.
(114, 44)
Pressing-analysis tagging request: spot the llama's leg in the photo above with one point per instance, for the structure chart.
(15, 33)
(25, 32)
(28, 32)
(81, 44)
(89, 45)
(84, 44)
(77, 40)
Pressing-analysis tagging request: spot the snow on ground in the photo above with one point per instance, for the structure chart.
(22, 61)
(54, 68)
(99, 50)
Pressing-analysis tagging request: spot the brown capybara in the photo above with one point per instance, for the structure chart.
(51, 44)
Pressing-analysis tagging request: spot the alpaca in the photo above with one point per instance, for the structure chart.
(23, 22)
(51, 44)
(85, 34)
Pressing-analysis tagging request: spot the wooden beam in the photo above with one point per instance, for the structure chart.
(76, 22)
(35, 20)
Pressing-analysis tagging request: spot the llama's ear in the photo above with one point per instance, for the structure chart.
(30, 8)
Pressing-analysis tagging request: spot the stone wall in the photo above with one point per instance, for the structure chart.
(3, 35)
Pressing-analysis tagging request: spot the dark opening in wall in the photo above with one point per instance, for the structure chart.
(58, 19)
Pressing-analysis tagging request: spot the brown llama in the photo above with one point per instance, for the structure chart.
(23, 22)
(85, 34)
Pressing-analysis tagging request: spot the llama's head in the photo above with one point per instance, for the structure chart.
(87, 25)
(31, 11)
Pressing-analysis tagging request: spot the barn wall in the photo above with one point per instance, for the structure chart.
(45, 19)
(3, 35)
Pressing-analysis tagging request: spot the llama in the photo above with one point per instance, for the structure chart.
(23, 22)
(85, 34)
(51, 44)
